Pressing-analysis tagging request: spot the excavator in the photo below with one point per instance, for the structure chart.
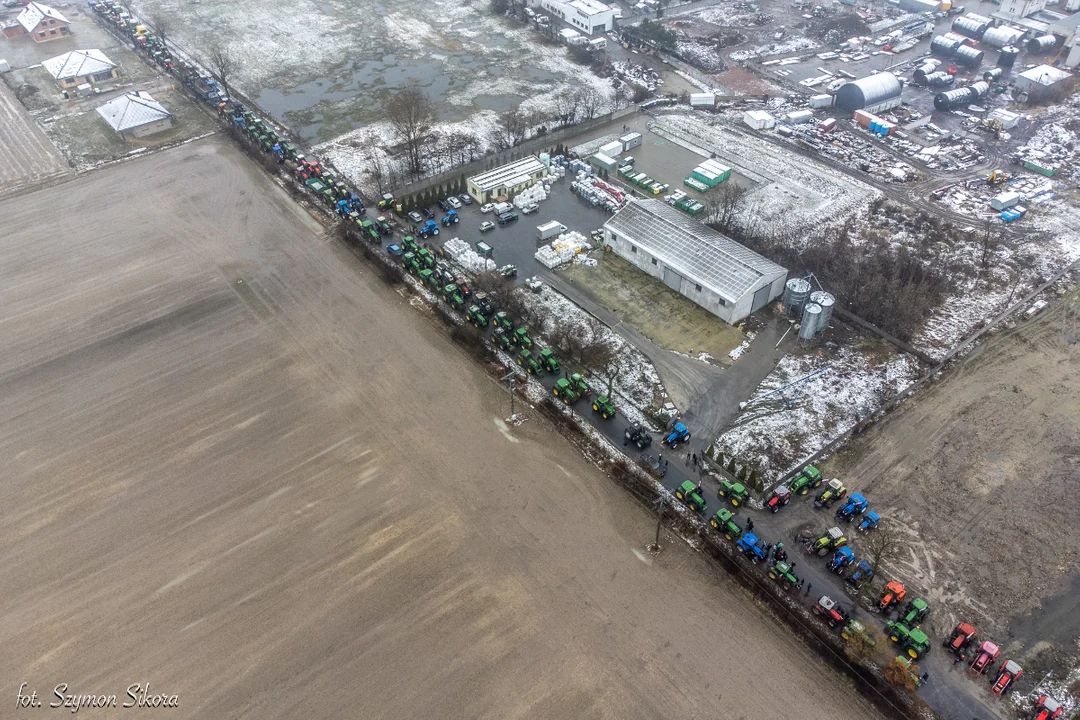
(996, 177)
(993, 125)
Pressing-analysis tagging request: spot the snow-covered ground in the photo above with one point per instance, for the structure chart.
(794, 192)
(786, 47)
(774, 439)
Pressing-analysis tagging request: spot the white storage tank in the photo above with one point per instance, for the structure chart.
(796, 292)
(808, 326)
(825, 301)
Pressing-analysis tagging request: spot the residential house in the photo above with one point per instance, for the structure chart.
(77, 67)
(135, 115)
(40, 22)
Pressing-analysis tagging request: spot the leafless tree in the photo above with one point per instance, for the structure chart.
(722, 206)
(162, 27)
(991, 241)
(622, 95)
(411, 115)
(883, 545)
(590, 99)
(566, 107)
(513, 126)
(223, 62)
(385, 174)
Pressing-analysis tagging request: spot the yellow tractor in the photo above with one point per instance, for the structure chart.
(997, 176)
(993, 125)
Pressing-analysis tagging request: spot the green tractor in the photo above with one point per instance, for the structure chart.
(915, 612)
(427, 277)
(724, 521)
(781, 573)
(372, 233)
(521, 337)
(425, 257)
(854, 628)
(565, 390)
(476, 317)
(917, 644)
(410, 263)
(897, 631)
(500, 339)
(603, 405)
(502, 320)
(736, 493)
(580, 385)
(452, 295)
(809, 479)
(549, 361)
(408, 244)
(689, 494)
(526, 360)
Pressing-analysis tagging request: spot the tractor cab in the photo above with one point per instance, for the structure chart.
(834, 490)
(429, 229)
(1047, 708)
(638, 435)
(485, 303)
(855, 505)
(985, 657)
(500, 338)
(809, 479)
(915, 612)
(605, 406)
(548, 360)
(521, 337)
(736, 493)
(427, 277)
(526, 360)
(425, 257)
(724, 521)
(751, 547)
(917, 644)
(386, 201)
(780, 497)
(897, 631)
(841, 559)
(854, 628)
(689, 493)
(863, 572)
(409, 242)
(830, 611)
(451, 218)
(962, 635)
(565, 390)
(1009, 673)
(502, 320)
(452, 295)
(408, 261)
(781, 573)
(894, 594)
(870, 522)
(833, 539)
(476, 317)
(580, 385)
(679, 434)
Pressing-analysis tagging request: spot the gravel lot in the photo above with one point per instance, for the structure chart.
(242, 470)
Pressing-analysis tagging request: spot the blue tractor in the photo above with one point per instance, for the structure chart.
(863, 571)
(752, 548)
(679, 434)
(870, 522)
(451, 218)
(429, 229)
(841, 559)
(342, 208)
(356, 204)
(856, 505)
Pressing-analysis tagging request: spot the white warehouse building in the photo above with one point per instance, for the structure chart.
(709, 268)
(588, 16)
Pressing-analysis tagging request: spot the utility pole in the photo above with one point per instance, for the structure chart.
(654, 548)
(509, 379)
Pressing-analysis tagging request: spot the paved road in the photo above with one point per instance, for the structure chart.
(240, 468)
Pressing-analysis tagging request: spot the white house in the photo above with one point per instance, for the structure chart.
(40, 22)
(709, 268)
(80, 66)
(135, 115)
(588, 16)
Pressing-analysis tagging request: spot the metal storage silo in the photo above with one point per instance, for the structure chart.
(796, 291)
(1001, 36)
(967, 55)
(825, 301)
(1041, 45)
(927, 68)
(993, 75)
(809, 324)
(940, 79)
(972, 26)
(953, 99)
(1008, 56)
(871, 93)
(943, 46)
(978, 90)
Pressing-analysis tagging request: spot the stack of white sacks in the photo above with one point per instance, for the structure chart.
(536, 194)
(470, 260)
(562, 250)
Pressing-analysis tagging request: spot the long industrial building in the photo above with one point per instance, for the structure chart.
(709, 268)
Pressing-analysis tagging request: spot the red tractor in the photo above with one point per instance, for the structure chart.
(830, 612)
(780, 497)
(1009, 673)
(894, 594)
(985, 657)
(1047, 708)
(962, 636)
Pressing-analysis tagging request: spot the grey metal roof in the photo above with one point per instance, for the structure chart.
(132, 110)
(514, 173)
(868, 90)
(78, 63)
(695, 251)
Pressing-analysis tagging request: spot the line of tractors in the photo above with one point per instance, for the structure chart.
(905, 629)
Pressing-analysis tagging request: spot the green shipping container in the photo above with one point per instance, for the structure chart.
(1035, 167)
(696, 184)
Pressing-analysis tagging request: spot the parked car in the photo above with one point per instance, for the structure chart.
(530, 209)
(416, 217)
(486, 225)
(507, 217)
(442, 205)
(487, 207)
(453, 202)
(467, 199)
(394, 249)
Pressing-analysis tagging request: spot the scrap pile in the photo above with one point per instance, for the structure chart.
(562, 250)
(597, 192)
(459, 251)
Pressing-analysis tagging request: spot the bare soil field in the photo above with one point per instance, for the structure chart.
(981, 469)
(26, 155)
(240, 469)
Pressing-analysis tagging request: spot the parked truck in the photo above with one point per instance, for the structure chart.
(549, 230)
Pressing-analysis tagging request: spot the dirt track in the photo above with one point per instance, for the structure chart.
(242, 470)
(984, 467)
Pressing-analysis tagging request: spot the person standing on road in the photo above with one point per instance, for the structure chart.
(749, 524)
(808, 586)
(687, 459)
(801, 581)
(959, 659)
(695, 459)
